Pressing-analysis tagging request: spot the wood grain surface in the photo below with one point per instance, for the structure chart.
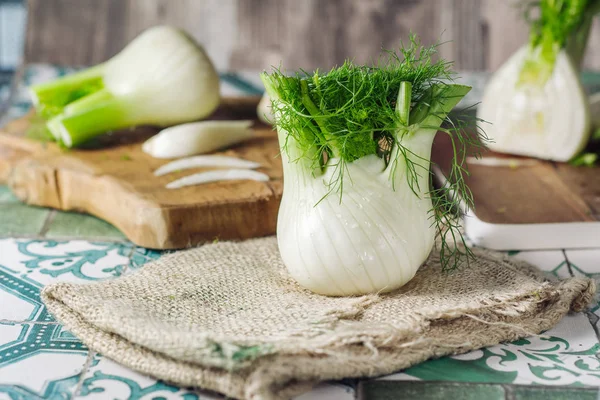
(528, 192)
(115, 182)
(256, 34)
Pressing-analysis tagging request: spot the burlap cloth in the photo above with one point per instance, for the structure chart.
(227, 317)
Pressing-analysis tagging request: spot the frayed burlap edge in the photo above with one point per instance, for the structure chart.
(290, 372)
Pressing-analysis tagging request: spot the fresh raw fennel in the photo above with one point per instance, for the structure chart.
(197, 138)
(207, 161)
(358, 214)
(535, 103)
(216, 176)
(161, 78)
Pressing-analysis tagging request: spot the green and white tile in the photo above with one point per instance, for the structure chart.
(141, 256)
(107, 380)
(586, 262)
(38, 358)
(564, 355)
(47, 375)
(45, 261)
(550, 261)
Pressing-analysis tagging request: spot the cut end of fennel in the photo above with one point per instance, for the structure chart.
(60, 133)
(219, 175)
(549, 122)
(207, 161)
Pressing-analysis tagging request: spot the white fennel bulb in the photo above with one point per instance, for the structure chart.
(534, 103)
(161, 78)
(358, 214)
(373, 238)
(550, 121)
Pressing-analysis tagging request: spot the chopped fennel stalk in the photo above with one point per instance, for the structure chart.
(359, 214)
(161, 78)
(216, 176)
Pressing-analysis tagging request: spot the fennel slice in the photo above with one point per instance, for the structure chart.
(219, 175)
(206, 161)
(197, 138)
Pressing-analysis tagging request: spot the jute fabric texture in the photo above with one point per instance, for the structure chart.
(227, 317)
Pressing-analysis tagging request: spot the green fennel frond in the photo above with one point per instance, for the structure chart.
(453, 197)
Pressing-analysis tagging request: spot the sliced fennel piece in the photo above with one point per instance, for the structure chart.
(219, 175)
(264, 109)
(205, 162)
(551, 121)
(501, 162)
(197, 138)
(161, 78)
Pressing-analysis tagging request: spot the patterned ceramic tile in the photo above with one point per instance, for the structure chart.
(565, 355)
(587, 263)
(551, 261)
(46, 375)
(38, 358)
(106, 379)
(46, 260)
(141, 256)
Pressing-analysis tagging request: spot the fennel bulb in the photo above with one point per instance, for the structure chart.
(161, 78)
(535, 103)
(197, 138)
(358, 214)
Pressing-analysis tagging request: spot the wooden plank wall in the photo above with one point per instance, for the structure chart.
(255, 34)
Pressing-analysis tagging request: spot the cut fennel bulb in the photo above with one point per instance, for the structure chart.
(161, 78)
(550, 121)
(358, 214)
(535, 103)
(197, 138)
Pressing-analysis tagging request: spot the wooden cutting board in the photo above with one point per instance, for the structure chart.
(528, 203)
(115, 182)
